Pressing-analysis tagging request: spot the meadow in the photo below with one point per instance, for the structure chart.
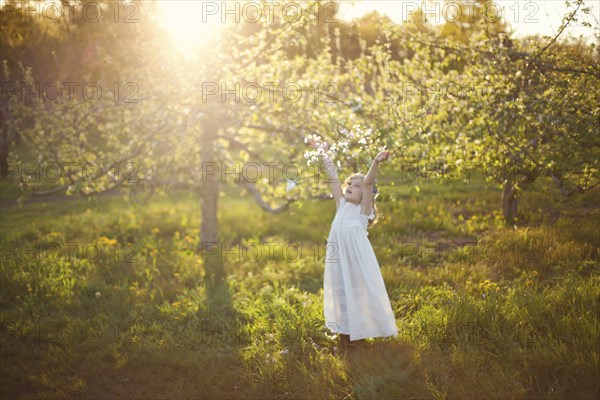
(108, 299)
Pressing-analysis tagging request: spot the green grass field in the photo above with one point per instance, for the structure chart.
(107, 299)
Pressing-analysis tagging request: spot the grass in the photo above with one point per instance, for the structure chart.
(107, 299)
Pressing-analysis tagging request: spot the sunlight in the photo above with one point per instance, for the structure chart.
(532, 17)
(188, 22)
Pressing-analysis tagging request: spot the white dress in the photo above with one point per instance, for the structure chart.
(355, 300)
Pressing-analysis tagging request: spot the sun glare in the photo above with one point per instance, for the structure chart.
(188, 22)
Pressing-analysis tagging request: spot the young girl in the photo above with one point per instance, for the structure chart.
(356, 304)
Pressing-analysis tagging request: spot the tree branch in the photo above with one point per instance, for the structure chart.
(568, 193)
(103, 171)
(237, 144)
(560, 31)
(251, 188)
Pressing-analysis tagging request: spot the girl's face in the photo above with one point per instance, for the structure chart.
(353, 191)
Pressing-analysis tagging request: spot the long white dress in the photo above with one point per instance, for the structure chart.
(355, 300)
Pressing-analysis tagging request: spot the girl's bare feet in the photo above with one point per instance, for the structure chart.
(345, 343)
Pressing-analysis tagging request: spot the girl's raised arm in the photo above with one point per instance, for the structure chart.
(367, 201)
(332, 179)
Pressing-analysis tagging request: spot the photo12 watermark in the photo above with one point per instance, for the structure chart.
(72, 332)
(470, 252)
(269, 92)
(254, 171)
(71, 91)
(50, 172)
(102, 250)
(469, 11)
(58, 12)
(269, 251)
(263, 12)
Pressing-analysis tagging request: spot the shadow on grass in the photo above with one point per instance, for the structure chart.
(205, 363)
(145, 359)
(385, 369)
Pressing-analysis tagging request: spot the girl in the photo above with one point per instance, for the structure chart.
(356, 304)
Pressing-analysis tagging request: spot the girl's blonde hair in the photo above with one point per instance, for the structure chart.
(362, 176)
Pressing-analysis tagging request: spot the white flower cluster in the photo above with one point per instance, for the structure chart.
(312, 156)
(344, 140)
(357, 135)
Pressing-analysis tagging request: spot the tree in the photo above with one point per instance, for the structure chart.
(474, 98)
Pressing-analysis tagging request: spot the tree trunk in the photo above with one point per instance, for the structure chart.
(4, 146)
(209, 247)
(509, 201)
(7, 137)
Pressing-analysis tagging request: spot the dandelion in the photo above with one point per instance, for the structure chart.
(188, 239)
(105, 240)
(98, 294)
(155, 230)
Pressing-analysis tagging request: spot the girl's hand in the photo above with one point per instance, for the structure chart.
(382, 156)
